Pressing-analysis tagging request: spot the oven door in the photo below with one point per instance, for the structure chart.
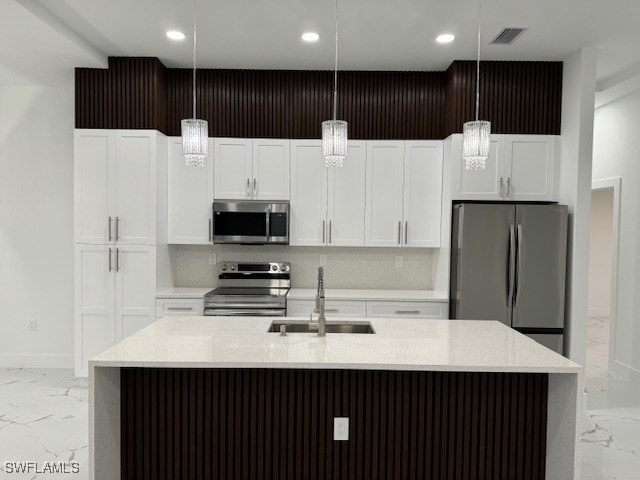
(244, 312)
(250, 222)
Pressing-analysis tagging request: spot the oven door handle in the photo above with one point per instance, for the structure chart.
(244, 313)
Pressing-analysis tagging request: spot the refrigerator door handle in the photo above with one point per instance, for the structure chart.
(520, 240)
(512, 265)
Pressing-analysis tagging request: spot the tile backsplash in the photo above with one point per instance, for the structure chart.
(347, 267)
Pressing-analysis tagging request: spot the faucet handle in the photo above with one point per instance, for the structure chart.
(283, 330)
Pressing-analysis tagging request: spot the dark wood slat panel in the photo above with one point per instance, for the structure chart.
(139, 93)
(264, 424)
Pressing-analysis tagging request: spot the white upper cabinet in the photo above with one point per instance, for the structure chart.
(383, 212)
(520, 167)
(94, 192)
(136, 187)
(232, 161)
(422, 193)
(346, 199)
(530, 166)
(246, 169)
(270, 177)
(308, 224)
(115, 186)
(190, 197)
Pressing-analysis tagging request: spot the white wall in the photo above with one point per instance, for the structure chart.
(616, 154)
(600, 252)
(36, 225)
(574, 190)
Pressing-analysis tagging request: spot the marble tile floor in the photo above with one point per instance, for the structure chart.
(43, 418)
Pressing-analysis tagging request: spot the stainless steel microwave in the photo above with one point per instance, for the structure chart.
(251, 222)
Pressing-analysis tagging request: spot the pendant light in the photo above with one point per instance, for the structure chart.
(334, 132)
(476, 135)
(195, 132)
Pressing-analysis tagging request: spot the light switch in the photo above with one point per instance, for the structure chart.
(323, 260)
(212, 259)
(341, 428)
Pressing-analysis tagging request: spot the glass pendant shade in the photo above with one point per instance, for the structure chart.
(334, 142)
(476, 144)
(195, 142)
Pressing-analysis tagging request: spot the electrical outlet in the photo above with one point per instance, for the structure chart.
(323, 260)
(341, 428)
(213, 259)
(399, 261)
(33, 325)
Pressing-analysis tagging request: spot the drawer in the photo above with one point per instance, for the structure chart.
(332, 308)
(407, 309)
(179, 307)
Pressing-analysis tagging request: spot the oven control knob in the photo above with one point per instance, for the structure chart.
(274, 268)
(223, 268)
(284, 268)
(232, 268)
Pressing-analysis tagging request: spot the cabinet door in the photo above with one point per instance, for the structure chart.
(135, 288)
(383, 213)
(308, 224)
(95, 324)
(232, 164)
(94, 177)
(346, 199)
(190, 197)
(406, 310)
(479, 184)
(136, 187)
(422, 193)
(529, 167)
(270, 169)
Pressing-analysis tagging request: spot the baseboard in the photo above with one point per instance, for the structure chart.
(15, 360)
(598, 312)
(625, 371)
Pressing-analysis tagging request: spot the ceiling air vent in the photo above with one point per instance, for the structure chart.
(508, 36)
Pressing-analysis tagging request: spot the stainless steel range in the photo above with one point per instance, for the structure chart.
(250, 289)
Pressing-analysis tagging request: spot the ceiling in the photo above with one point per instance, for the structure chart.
(42, 40)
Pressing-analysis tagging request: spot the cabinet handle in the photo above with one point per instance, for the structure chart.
(408, 312)
(117, 259)
(180, 309)
(332, 310)
(508, 187)
(501, 189)
(210, 231)
(330, 231)
(399, 232)
(255, 187)
(406, 232)
(323, 231)
(117, 228)
(246, 189)
(109, 258)
(109, 228)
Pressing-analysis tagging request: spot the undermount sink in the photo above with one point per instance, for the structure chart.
(302, 326)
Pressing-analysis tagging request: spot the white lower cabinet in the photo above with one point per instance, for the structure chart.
(332, 308)
(179, 307)
(114, 296)
(406, 309)
(369, 309)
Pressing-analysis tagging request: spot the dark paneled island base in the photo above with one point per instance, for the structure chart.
(278, 424)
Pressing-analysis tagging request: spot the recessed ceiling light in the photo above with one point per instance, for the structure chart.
(445, 38)
(175, 35)
(310, 37)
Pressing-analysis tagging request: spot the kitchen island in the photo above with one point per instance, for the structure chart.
(219, 397)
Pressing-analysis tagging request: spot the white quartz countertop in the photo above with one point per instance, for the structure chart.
(383, 295)
(398, 344)
(184, 292)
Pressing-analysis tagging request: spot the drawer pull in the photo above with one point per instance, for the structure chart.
(180, 309)
(408, 312)
(332, 310)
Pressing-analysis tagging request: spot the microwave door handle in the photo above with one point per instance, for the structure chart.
(268, 232)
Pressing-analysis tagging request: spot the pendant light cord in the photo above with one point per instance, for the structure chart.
(194, 56)
(335, 74)
(478, 63)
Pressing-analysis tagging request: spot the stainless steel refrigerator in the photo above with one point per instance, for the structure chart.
(508, 263)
